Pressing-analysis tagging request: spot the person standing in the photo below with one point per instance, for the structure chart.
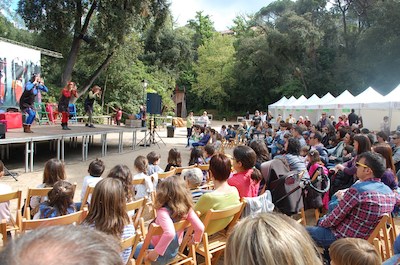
(94, 94)
(63, 104)
(189, 125)
(353, 118)
(385, 126)
(26, 103)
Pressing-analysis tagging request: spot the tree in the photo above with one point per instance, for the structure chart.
(203, 27)
(102, 25)
(214, 71)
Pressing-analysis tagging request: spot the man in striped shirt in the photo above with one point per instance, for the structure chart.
(360, 207)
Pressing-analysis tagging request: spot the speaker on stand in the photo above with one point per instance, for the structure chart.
(153, 107)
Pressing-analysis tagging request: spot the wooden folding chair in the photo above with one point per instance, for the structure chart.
(130, 242)
(40, 192)
(204, 167)
(88, 192)
(149, 201)
(178, 170)
(212, 246)
(383, 237)
(68, 219)
(14, 224)
(164, 175)
(138, 206)
(181, 258)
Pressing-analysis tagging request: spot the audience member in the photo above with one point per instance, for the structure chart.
(124, 174)
(173, 203)
(247, 178)
(144, 190)
(272, 239)
(223, 196)
(361, 207)
(53, 171)
(95, 170)
(67, 245)
(353, 251)
(154, 159)
(60, 201)
(174, 159)
(209, 151)
(107, 212)
(194, 178)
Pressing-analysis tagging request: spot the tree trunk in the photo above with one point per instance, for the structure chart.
(94, 76)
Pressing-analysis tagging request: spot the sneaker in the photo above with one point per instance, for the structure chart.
(91, 126)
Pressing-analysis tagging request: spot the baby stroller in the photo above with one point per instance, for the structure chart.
(287, 187)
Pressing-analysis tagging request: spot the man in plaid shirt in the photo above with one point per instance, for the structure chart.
(361, 207)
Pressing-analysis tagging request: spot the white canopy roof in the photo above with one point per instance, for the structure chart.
(313, 100)
(343, 100)
(369, 98)
(298, 102)
(280, 102)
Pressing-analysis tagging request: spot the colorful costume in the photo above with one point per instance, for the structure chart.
(63, 106)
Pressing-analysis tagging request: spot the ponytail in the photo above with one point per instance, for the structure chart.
(256, 175)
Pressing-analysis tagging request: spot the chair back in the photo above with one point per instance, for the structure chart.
(40, 192)
(130, 242)
(383, 237)
(88, 192)
(164, 175)
(41, 113)
(178, 170)
(68, 219)
(204, 167)
(72, 112)
(156, 230)
(233, 212)
(138, 206)
(14, 224)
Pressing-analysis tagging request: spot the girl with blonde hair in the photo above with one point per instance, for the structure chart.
(353, 251)
(107, 212)
(272, 239)
(173, 204)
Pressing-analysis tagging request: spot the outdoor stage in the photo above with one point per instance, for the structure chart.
(57, 138)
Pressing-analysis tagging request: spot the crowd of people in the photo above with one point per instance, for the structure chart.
(360, 164)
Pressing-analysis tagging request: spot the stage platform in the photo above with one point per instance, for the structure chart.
(57, 138)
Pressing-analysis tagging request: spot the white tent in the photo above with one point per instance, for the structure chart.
(297, 103)
(302, 109)
(369, 98)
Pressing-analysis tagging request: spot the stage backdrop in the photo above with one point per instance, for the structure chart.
(17, 64)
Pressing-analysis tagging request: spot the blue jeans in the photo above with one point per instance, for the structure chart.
(169, 254)
(322, 236)
(31, 116)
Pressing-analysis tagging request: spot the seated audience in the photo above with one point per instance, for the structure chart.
(144, 190)
(272, 239)
(174, 159)
(209, 151)
(68, 245)
(107, 212)
(95, 170)
(60, 201)
(154, 160)
(194, 178)
(362, 205)
(223, 196)
(53, 171)
(353, 251)
(247, 178)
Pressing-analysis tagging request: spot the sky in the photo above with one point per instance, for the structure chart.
(221, 12)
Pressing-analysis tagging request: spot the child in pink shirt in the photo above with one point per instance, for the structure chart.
(173, 203)
(247, 177)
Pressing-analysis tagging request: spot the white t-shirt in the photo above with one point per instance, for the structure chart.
(5, 206)
(141, 190)
(89, 181)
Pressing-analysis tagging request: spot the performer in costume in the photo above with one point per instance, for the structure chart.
(89, 101)
(27, 100)
(66, 94)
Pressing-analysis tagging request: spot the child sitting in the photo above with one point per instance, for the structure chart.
(209, 151)
(196, 157)
(173, 204)
(60, 201)
(154, 160)
(95, 170)
(143, 190)
(353, 251)
(174, 159)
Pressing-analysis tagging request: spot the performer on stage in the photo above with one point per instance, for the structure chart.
(26, 103)
(66, 94)
(89, 101)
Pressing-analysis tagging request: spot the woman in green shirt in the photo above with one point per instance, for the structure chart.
(223, 196)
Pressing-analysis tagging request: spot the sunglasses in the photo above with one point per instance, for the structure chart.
(361, 165)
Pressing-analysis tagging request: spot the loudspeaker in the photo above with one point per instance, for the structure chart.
(2, 131)
(153, 104)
